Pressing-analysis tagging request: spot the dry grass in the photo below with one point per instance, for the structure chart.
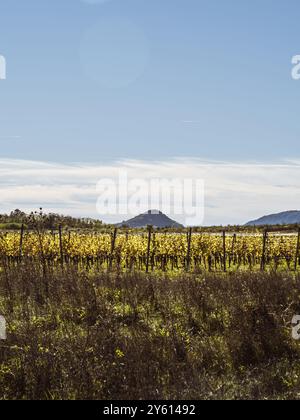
(83, 335)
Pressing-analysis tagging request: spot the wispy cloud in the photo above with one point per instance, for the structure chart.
(191, 122)
(234, 192)
(10, 137)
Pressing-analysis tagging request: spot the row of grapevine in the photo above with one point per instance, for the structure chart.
(153, 250)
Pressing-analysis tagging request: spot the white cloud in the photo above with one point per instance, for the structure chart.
(234, 192)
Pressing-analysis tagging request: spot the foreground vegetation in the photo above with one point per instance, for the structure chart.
(113, 335)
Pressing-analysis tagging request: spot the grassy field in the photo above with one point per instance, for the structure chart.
(88, 334)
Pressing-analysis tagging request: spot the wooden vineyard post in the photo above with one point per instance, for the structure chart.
(113, 245)
(61, 245)
(188, 257)
(263, 259)
(232, 249)
(297, 250)
(148, 248)
(153, 241)
(224, 251)
(21, 241)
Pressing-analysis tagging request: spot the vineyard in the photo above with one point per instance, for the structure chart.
(125, 315)
(154, 251)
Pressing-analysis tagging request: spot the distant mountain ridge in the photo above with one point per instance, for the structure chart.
(285, 218)
(153, 218)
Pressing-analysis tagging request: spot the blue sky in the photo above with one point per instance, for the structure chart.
(98, 81)
(214, 81)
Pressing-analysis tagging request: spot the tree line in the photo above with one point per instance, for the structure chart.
(17, 218)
